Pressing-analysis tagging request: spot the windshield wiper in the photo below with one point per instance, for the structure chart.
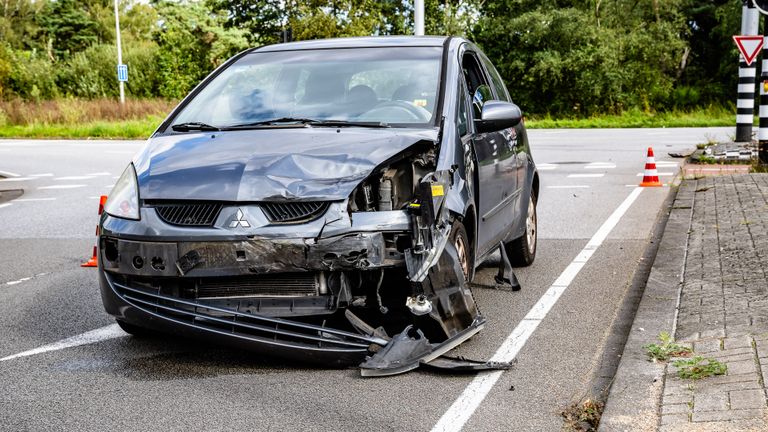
(273, 122)
(305, 121)
(186, 127)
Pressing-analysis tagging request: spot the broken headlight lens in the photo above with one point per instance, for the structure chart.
(123, 201)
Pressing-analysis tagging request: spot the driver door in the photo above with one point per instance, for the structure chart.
(495, 180)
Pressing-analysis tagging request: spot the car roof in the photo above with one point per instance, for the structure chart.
(358, 42)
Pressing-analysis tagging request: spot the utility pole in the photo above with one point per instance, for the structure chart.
(745, 104)
(418, 17)
(120, 78)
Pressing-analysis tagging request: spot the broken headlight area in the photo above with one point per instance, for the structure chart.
(394, 185)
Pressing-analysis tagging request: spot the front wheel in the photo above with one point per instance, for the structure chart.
(522, 251)
(464, 249)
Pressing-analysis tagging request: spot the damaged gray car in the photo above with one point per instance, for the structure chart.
(326, 201)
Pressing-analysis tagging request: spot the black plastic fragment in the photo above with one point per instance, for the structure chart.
(403, 353)
(463, 365)
(188, 261)
(506, 275)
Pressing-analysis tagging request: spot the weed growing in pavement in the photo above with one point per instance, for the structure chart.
(699, 367)
(666, 349)
(584, 416)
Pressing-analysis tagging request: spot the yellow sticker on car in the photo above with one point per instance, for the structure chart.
(437, 190)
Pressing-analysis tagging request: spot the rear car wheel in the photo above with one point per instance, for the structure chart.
(464, 249)
(136, 331)
(522, 251)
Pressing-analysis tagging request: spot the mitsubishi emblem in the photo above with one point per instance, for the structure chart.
(239, 220)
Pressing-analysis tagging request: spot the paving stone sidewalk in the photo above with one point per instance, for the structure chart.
(723, 310)
(722, 314)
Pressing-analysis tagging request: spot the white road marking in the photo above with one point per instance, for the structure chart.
(100, 174)
(119, 152)
(110, 186)
(666, 164)
(546, 166)
(65, 186)
(568, 187)
(68, 178)
(15, 179)
(659, 174)
(33, 199)
(5, 205)
(105, 333)
(9, 174)
(600, 165)
(595, 175)
(462, 409)
(657, 133)
(42, 175)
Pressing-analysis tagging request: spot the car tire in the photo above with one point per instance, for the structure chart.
(464, 248)
(135, 330)
(522, 251)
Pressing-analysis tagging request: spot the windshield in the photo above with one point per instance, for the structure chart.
(392, 86)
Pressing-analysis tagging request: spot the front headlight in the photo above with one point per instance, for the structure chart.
(123, 201)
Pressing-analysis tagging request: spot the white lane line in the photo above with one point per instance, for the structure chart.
(9, 174)
(595, 175)
(568, 187)
(666, 163)
(600, 165)
(546, 166)
(462, 409)
(5, 205)
(42, 175)
(64, 186)
(33, 199)
(119, 152)
(659, 174)
(68, 178)
(15, 179)
(105, 333)
(110, 186)
(99, 174)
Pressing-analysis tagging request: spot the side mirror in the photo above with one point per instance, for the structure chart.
(498, 115)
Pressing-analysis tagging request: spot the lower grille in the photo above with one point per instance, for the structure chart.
(275, 285)
(293, 211)
(200, 214)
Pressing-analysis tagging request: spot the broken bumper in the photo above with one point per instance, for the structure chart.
(296, 340)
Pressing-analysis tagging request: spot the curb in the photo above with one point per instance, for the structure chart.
(635, 396)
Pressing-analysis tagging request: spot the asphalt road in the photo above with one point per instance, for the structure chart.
(122, 383)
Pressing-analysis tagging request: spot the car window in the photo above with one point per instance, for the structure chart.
(462, 116)
(476, 82)
(397, 86)
(496, 81)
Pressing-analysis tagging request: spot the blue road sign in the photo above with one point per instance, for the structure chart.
(122, 72)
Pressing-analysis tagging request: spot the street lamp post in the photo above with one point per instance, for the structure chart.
(418, 17)
(119, 54)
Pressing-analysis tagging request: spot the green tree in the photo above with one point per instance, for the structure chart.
(192, 41)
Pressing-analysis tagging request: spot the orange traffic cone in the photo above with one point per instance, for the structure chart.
(650, 177)
(94, 261)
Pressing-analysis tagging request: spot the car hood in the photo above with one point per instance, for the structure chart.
(308, 164)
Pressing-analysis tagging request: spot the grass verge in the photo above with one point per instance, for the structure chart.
(125, 129)
(705, 117)
(105, 118)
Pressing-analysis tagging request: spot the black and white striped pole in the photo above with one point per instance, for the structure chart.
(762, 132)
(745, 104)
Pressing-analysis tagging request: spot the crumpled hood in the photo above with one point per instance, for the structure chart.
(308, 164)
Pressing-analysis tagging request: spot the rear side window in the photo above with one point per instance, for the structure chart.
(498, 83)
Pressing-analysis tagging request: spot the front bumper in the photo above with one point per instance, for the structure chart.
(149, 308)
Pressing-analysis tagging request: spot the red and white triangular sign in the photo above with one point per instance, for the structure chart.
(749, 46)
